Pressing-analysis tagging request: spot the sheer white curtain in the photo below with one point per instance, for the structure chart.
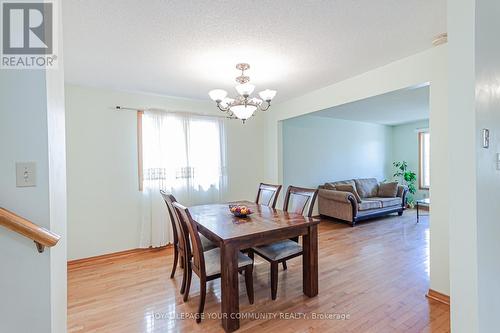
(184, 155)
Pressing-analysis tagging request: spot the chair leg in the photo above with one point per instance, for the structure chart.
(295, 239)
(250, 254)
(240, 271)
(274, 280)
(249, 282)
(182, 261)
(176, 258)
(184, 275)
(188, 279)
(203, 294)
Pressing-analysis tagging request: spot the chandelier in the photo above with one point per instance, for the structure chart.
(243, 106)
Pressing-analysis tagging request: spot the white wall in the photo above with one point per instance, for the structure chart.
(103, 199)
(321, 149)
(463, 226)
(475, 99)
(487, 66)
(405, 148)
(429, 66)
(25, 289)
(33, 285)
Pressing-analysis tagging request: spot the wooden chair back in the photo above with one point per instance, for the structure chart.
(268, 194)
(297, 199)
(198, 262)
(169, 199)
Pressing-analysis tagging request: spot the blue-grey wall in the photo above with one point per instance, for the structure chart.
(320, 149)
(405, 147)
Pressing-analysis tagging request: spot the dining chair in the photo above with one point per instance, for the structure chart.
(268, 194)
(207, 264)
(181, 237)
(296, 200)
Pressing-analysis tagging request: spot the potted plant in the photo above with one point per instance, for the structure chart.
(408, 178)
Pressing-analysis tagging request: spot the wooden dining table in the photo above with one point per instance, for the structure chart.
(266, 225)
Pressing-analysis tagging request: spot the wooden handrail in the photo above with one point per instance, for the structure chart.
(41, 236)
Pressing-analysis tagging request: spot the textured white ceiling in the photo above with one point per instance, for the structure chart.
(185, 48)
(394, 108)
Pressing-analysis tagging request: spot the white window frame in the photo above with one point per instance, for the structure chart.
(423, 162)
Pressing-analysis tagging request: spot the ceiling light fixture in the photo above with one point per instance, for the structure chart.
(243, 106)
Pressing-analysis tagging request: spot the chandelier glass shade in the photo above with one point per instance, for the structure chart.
(242, 106)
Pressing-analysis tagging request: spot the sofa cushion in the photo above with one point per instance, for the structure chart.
(386, 202)
(349, 188)
(388, 190)
(369, 204)
(333, 185)
(366, 187)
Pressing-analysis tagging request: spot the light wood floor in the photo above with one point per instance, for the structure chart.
(377, 273)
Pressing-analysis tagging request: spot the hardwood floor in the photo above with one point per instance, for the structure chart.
(375, 273)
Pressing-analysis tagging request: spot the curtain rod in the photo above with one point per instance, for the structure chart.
(422, 129)
(118, 107)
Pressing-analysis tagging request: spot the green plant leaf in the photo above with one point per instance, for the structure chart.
(408, 177)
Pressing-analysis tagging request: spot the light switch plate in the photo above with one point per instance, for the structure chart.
(486, 138)
(25, 174)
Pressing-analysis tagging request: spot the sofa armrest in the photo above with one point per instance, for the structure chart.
(340, 196)
(338, 204)
(402, 192)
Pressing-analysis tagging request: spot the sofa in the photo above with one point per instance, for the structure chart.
(354, 200)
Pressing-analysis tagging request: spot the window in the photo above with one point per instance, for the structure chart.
(424, 160)
(182, 154)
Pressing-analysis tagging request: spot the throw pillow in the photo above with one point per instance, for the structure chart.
(366, 187)
(349, 188)
(388, 190)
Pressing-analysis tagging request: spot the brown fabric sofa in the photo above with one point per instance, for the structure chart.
(343, 205)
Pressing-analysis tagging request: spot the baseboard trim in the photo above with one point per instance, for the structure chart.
(114, 255)
(437, 296)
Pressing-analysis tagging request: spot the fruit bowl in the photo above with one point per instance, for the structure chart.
(240, 210)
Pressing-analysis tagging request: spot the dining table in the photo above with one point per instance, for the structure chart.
(264, 226)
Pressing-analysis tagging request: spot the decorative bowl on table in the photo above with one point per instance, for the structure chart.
(240, 210)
